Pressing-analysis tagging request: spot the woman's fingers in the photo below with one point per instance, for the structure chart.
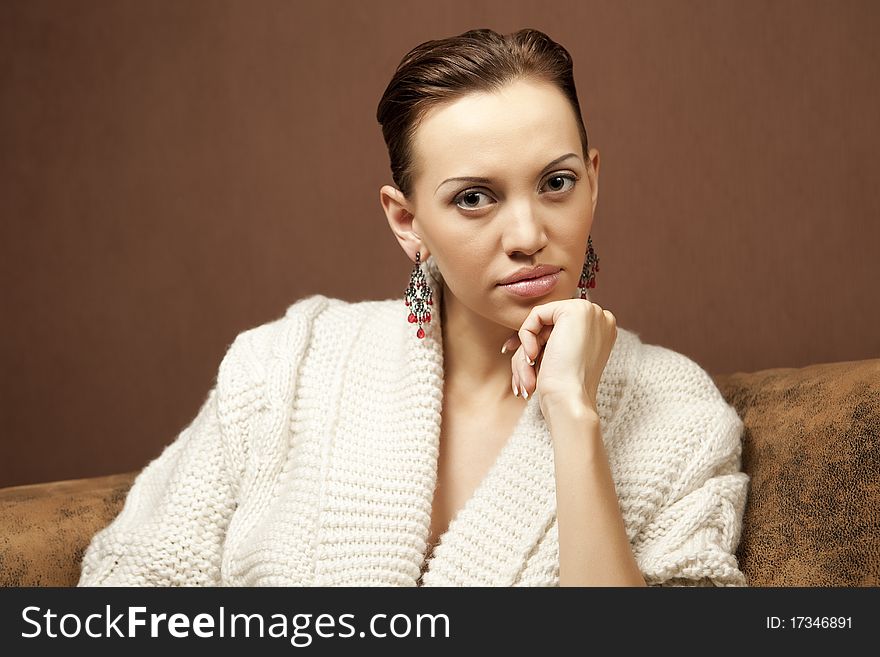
(527, 368)
(524, 370)
(540, 318)
(510, 344)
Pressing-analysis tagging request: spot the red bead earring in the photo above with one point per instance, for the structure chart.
(418, 296)
(591, 266)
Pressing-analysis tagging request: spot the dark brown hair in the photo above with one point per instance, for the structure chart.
(443, 70)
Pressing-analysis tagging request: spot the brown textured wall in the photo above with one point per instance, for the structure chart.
(174, 173)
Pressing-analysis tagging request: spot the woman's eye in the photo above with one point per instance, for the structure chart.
(557, 183)
(469, 199)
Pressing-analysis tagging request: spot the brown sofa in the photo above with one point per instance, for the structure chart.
(812, 448)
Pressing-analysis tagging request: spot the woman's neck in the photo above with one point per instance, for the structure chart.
(474, 367)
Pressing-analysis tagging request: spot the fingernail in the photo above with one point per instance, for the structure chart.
(504, 348)
(513, 387)
(525, 393)
(530, 362)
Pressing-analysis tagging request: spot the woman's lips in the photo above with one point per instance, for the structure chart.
(533, 287)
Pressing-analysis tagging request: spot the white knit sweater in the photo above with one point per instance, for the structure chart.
(313, 462)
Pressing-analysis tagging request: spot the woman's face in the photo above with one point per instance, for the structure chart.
(533, 206)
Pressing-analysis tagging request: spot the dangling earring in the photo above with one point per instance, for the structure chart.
(591, 266)
(418, 296)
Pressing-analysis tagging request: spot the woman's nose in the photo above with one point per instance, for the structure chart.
(523, 231)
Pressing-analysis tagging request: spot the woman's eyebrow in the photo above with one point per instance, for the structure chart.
(487, 181)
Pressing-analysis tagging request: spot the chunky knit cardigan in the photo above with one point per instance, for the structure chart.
(313, 462)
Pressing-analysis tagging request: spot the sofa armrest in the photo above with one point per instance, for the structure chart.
(45, 528)
(812, 449)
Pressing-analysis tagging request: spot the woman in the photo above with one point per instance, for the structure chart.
(479, 431)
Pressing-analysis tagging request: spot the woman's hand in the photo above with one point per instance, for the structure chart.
(569, 342)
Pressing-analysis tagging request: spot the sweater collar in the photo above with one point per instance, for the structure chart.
(489, 540)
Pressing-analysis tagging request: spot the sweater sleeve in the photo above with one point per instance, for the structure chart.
(692, 537)
(172, 526)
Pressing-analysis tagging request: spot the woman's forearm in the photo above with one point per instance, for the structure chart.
(594, 549)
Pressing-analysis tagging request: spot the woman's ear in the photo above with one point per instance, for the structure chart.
(593, 175)
(398, 211)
